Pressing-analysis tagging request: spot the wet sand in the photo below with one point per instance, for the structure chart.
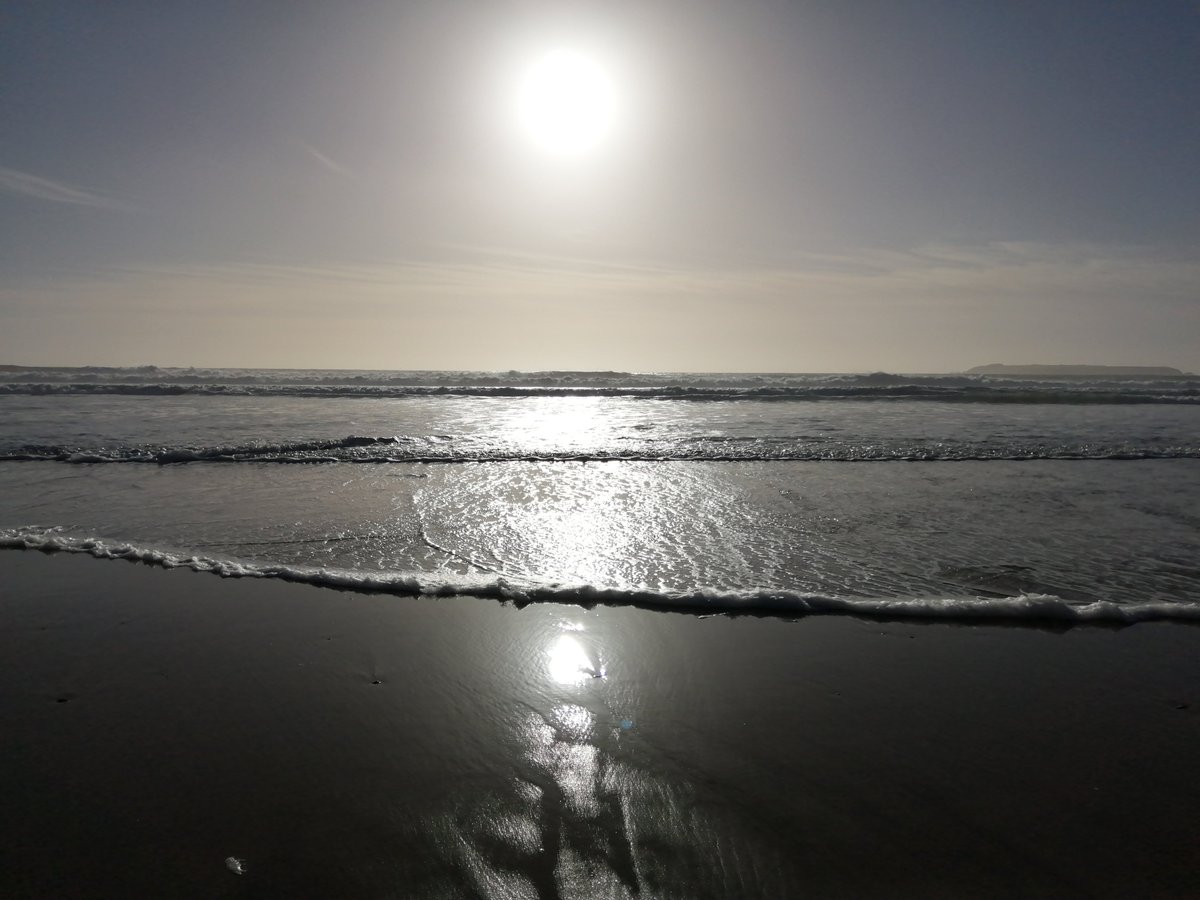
(156, 725)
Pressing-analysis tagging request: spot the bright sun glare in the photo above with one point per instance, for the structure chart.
(566, 103)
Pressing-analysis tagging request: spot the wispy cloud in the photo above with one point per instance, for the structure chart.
(25, 184)
(1008, 276)
(938, 308)
(326, 162)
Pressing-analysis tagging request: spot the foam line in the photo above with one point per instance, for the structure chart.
(1031, 608)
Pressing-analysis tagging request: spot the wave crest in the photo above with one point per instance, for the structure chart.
(1030, 608)
(468, 449)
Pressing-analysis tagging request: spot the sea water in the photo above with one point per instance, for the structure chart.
(883, 495)
(393, 747)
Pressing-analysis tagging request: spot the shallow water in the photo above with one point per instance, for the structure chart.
(1049, 509)
(285, 428)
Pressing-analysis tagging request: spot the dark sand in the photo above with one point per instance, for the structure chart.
(155, 723)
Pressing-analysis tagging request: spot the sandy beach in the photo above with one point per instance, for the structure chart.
(172, 734)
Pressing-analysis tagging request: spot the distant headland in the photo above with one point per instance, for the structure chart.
(1118, 371)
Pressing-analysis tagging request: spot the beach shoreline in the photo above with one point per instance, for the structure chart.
(161, 723)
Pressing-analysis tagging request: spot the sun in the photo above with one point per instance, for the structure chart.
(566, 103)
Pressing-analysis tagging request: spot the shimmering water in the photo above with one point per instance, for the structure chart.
(340, 745)
(886, 495)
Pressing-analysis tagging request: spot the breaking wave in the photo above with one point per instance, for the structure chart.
(470, 449)
(1031, 608)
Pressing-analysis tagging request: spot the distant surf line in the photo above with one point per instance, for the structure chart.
(1016, 394)
(192, 457)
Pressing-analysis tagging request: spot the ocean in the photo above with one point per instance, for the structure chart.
(759, 636)
(1030, 499)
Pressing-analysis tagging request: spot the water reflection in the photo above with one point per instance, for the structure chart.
(566, 828)
(600, 524)
(593, 807)
(585, 794)
(557, 424)
(569, 663)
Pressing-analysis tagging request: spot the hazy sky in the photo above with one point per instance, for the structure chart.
(728, 186)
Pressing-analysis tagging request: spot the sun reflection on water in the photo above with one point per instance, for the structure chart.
(592, 807)
(560, 423)
(568, 663)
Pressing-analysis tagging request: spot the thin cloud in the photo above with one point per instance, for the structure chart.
(515, 257)
(326, 162)
(1020, 276)
(28, 185)
(861, 311)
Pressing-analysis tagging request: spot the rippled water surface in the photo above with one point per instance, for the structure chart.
(107, 427)
(899, 503)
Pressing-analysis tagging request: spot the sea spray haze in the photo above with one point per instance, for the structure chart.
(1067, 498)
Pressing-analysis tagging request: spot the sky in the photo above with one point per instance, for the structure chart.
(845, 185)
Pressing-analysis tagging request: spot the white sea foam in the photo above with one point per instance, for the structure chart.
(1022, 607)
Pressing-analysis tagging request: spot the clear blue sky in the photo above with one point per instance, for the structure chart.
(807, 186)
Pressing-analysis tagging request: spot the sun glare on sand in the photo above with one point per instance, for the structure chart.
(566, 103)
